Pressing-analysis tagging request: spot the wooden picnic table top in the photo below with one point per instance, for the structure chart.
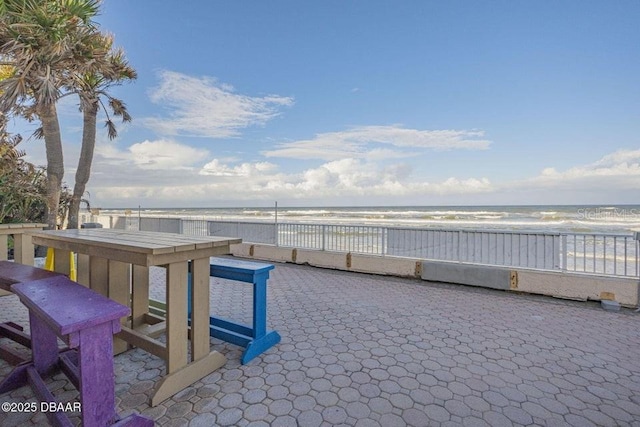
(145, 248)
(144, 242)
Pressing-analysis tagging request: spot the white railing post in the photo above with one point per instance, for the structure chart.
(324, 233)
(563, 242)
(636, 238)
(384, 240)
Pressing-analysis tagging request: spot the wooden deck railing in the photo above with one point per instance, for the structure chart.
(22, 246)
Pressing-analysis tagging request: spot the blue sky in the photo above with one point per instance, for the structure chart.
(370, 103)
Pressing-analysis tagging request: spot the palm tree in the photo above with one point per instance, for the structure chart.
(46, 42)
(92, 87)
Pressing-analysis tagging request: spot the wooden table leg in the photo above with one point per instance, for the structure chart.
(200, 340)
(99, 275)
(82, 270)
(139, 295)
(119, 284)
(259, 309)
(177, 337)
(61, 261)
(108, 278)
(183, 378)
(180, 374)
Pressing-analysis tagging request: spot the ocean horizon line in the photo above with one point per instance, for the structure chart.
(590, 205)
(606, 218)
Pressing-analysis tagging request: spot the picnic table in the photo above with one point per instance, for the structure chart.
(115, 263)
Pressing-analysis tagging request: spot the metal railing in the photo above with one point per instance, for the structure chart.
(591, 253)
(605, 254)
(326, 237)
(505, 248)
(256, 232)
(195, 227)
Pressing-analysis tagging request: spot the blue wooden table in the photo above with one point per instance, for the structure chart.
(256, 338)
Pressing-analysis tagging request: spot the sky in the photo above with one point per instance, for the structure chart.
(365, 103)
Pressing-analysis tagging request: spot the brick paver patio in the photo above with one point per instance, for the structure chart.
(364, 350)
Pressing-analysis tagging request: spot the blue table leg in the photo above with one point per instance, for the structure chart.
(259, 346)
(256, 340)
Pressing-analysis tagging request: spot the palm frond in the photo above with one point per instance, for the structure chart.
(112, 132)
(119, 109)
(38, 133)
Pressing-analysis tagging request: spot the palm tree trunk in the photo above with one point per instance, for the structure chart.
(55, 162)
(84, 163)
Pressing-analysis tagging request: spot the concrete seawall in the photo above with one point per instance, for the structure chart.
(557, 284)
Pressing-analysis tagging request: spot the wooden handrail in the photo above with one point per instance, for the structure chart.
(22, 245)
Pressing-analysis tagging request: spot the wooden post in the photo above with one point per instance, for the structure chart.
(176, 316)
(200, 309)
(23, 249)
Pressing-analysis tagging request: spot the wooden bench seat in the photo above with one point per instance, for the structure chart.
(86, 321)
(11, 273)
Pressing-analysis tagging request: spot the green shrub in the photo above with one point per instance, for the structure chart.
(22, 185)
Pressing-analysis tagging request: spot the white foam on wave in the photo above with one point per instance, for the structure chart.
(543, 218)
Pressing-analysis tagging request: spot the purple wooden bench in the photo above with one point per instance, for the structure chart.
(11, 273)
(86, 321)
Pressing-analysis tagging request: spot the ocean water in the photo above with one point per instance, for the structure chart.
(576, 218)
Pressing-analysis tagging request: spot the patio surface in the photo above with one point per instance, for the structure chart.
(365, 350)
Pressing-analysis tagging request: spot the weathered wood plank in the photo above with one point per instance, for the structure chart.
(61, 261)
(200, 343)
(99, 275)
(22, 249)
(179, 380)
(139, 295)
(4, 242)
(83, 268)
(186, 256)
(146, 343)
(177, 316)
(119, 283)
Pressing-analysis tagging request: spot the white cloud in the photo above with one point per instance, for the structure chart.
(616, 171)
(339, 181)
(352, 177)
(216, 168)
(165, 172)
(153, 155)
(362, 142)
(205, 107)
